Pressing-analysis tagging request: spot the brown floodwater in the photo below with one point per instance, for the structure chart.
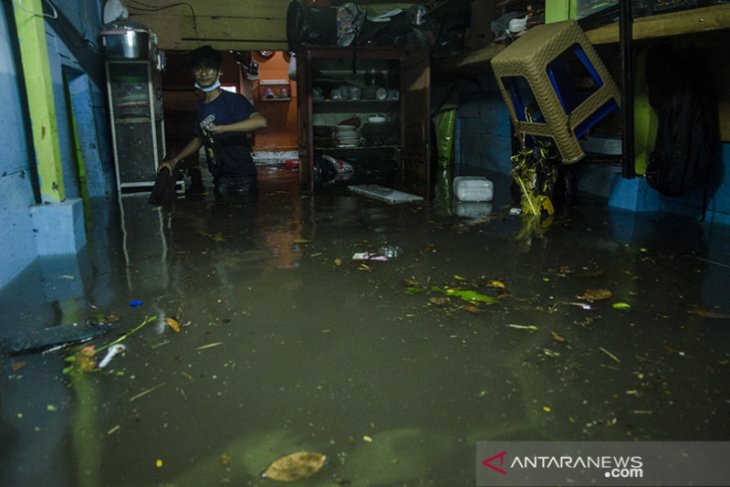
(287, 344)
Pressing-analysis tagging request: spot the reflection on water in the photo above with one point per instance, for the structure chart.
(287, 345)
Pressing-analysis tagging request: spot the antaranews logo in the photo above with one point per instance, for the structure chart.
(499, 456)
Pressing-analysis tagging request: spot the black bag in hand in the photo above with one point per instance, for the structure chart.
(163, 192)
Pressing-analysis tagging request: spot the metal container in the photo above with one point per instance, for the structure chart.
(126, 44)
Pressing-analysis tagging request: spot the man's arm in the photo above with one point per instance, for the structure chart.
(254, 122)
(191, 148)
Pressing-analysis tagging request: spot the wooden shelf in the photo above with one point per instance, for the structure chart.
(703, 19)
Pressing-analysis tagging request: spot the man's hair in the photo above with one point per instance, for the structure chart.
(205, 57)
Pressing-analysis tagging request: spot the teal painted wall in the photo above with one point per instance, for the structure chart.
(16, 192)
(77, 72)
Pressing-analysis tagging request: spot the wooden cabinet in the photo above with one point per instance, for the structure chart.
(385, 94)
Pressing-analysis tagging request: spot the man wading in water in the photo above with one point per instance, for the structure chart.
(222, 120)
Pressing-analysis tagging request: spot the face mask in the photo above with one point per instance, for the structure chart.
(208, 89)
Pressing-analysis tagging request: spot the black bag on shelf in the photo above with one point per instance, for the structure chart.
(310, 26)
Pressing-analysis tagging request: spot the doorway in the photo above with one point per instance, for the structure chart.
(260, 76)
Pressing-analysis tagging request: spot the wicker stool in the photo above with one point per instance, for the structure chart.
(555, 85)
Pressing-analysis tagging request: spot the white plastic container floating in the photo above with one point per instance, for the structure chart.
(473, 188)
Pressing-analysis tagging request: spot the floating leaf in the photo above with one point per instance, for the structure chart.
(497, 284)
(85, 359)
(16, 366)
(709, 314)
(438, 300)
(459, 278)
(410, 282)
(621, 306)
(173, 323)
(51, 407)
(295, 466)
(471, 296)
(414, 290)
(596, 294)
(470, 308)
(338, 262)
(557, 337)
(302, 241)
(209, 345)
(217, 237)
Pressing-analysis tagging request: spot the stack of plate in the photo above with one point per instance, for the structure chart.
(347, 136)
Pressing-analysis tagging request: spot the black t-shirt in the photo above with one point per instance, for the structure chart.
(234, 147)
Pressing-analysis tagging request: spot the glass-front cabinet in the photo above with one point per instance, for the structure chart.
(364, 118)
(135, 104)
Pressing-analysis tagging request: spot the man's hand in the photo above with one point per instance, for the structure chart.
(169, 164)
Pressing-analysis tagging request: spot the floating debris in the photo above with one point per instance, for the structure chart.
(145, 392)
(613, 357)
(621, 306)
(110, 353)
(595, 295)
(209, 345)
(470, 308)
(550, 353)
(173, 323)
(557, 337)
(716, 315)
(469, 295)
(435, 300)
(295, 466)
(523, 327)
(585, 306)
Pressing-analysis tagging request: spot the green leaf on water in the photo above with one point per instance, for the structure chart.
(414, 290)
(621, 306)
(471, 296)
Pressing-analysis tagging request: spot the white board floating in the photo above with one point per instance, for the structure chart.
(382, 193)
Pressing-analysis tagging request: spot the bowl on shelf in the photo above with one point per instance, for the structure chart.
(377, 118)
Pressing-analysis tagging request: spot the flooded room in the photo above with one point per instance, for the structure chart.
(322, 243)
